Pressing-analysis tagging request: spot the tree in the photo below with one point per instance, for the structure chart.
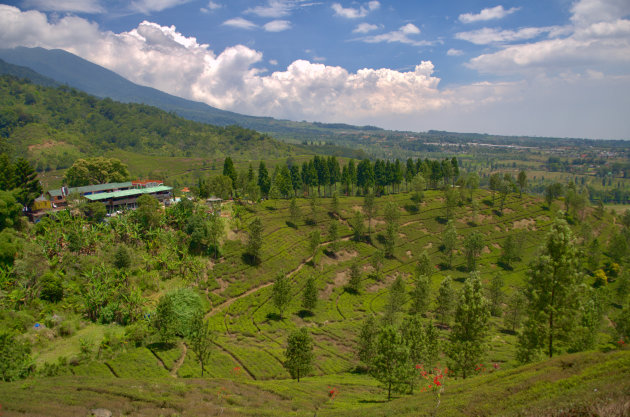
(281, 293)
(473, 245)
(299, 354)
(122, 258)
(369, 211)
(510, 252)
(94, 211)
(552, 192)
(418, 184)
(200, 339)
(148, 212)
(392, 214)
(506, 185)
(26, 182)
(354, 282)
(98, 170)
(357, 223)
(445, 300)
(522, 182)
(229, 170)
(10, 210)
(550, 288)
(310, 296)
(221, 186)
(264, 182)
(254, 242)
(314, 241)
(472, 183)
(377, 263)
(495, 183)
(391, 365)
(366, 345)
(420, 295)
(334, 206)
(175, 312)
(215, 231)
(396, 300)
(313, 203)
(15, 357)
(294, 211)
(495, 295)
(449, 240)
(467, 338)
(450, 201)
(423, 266)
(365, 175)
(515, 310)
(422, 342)
(333, 235)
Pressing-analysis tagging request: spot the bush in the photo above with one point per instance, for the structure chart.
(175, 312)
(52, 289)
(15, 357)
(137, 333)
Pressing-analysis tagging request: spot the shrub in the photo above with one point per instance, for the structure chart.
(15, 357)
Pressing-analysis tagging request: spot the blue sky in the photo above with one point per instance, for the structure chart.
(546, 68)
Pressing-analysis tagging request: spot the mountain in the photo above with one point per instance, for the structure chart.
(66, 68)
(25, 72)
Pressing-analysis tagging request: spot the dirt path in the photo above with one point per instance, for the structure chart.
(179, 361)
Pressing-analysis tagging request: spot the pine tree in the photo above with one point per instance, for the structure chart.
(449, 240)
(423, 266)
(392, 214)
(515, 310)
(550, 288)
(7, 180)
(522, 182)
(358, 225)
(473, 245)
(366, 345)
(25, 180)
(445, 300)
(377, 263)
(281, 293)
(391, 364)
(314, 241)
(294, 211)
(200, 339)
(467, 339)
(495, 295)
(229, 170)
(354, 282)
(309, 300)
(369, 211)
(254, 243)
(421, 295)
(299, 354)
(264, 182)
(334, 206)
(333, 236)
(396, 301)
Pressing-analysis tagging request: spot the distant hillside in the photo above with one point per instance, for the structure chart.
(25, 72)
(67, 68)
(54, 126)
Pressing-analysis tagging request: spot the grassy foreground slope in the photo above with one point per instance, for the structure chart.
(584, 384)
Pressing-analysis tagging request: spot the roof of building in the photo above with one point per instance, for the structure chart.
(92, 188)
(127, 193)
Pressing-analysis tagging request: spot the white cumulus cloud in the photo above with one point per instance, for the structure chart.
(454, 52)
(355, 13)
(241, 23)
(277, 26)
(148, 6)
(486, 36)
(365, 28)
(491, 13)
(211, 6)
(402, 35)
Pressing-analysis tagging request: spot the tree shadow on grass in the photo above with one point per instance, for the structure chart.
(375, 401)
(270, 208)
(462, 268)
(273, 316)
(411, 208)
(250, 260)
(472, 224)
(497, 213)
(441, 219)
(508, 331)
(310, 222)
(291, 224)
(460, 279)
(381, 239)
(330, 254)
(505, 266)
(304, 314)
(487, 202)
(161, 346)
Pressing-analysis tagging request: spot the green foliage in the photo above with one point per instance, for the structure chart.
(473, 245)
(15, 357)
(551, 291)
(94, 211)
(392, 365)
(449, 241)
(175, 313)
(467, 339)
(445, 299)
(26, 183)
(281, 293)
(369, 209)
(221, 186)
(10, 210)
(200, 338)
(294, 211)
(357, 223)
(424, 266)
(422, 341)
(97, 170)
(299, 354)
(366, 343)
(122, 258)
(254, 242)
(420, 295)
(396, 300)
(229, 170)
(515, 310)
(310, 295)
(496, 295)
(10, 245)
(51, 288)
(314, 241)
(333, 235)
(392, 214)
(148, 214)
(354, 282)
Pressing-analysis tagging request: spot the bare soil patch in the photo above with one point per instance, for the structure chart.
(339, 280)
(524, 224)
(485, 250)
(341, 256)
(45, 145)
(428, 245)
